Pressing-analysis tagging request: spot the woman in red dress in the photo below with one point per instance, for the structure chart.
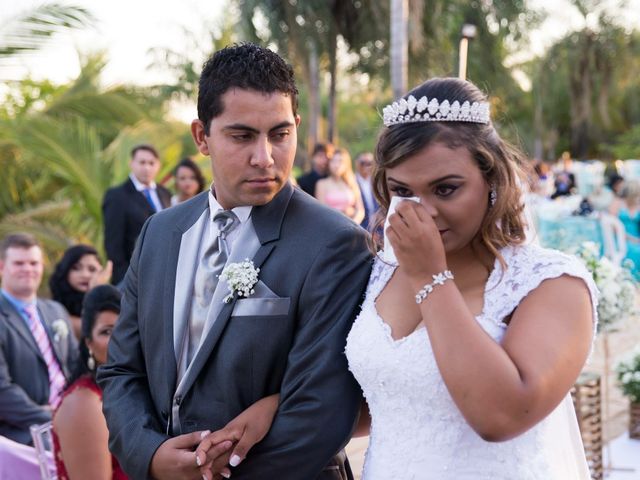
(80, 435)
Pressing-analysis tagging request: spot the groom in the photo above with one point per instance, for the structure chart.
(181, 359)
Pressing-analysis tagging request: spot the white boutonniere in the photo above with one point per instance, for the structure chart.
(241, 278)
(60, 330)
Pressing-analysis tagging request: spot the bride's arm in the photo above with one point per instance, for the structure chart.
(501, 389)
(364, 421)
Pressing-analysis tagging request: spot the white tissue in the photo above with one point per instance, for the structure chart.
(388, 254)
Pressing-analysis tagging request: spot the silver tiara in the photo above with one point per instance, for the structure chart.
(409, 110)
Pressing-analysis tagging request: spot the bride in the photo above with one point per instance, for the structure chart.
(467, 347)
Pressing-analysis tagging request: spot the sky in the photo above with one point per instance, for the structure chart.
(127, 29)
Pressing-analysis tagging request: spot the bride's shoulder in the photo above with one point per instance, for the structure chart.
(541, 261)
(530, 264)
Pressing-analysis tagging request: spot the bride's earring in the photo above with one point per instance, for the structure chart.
(493, 196)
(91, 361)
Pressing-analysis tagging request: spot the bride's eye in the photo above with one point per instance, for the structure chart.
(445, 190)
(400, 191)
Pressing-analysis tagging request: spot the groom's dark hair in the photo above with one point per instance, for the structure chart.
(247, 66)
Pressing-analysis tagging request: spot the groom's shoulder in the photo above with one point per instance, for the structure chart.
(167, 219)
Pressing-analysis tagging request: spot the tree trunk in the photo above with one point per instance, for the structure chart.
(581, 88)
(333, 68)
(399, 46)
(314, 101)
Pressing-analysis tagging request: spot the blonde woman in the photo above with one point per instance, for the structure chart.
(340, 189)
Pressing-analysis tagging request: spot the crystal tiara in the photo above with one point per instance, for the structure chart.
(409, 110)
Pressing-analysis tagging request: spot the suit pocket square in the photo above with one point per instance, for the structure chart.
(261, 307)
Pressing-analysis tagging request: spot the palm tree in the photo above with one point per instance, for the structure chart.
(29, 30)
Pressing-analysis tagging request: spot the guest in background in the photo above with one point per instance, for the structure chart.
(126, 207)
(80, 435)
(37, 349)
(364, 168)
(340, 189)
(319, 160)
(565, 180)
(188, 181)
(616, 184)
(78, 271)
(627, 209)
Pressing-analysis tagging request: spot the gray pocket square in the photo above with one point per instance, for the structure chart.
(261, 307)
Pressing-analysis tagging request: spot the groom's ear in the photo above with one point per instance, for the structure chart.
(199, 135)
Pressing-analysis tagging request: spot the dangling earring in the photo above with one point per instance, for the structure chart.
(493, 196)
(91, 362)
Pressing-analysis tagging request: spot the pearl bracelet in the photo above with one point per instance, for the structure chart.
(438, 279)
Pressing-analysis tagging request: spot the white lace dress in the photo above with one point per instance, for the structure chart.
(417, 431)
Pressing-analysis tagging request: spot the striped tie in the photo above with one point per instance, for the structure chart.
(56, 377)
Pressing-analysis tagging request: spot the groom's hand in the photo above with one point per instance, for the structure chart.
(175, 459)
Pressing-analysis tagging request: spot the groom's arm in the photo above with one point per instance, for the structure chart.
(319, 397)
(135, 432)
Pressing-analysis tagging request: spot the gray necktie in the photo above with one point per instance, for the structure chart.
(210, 266)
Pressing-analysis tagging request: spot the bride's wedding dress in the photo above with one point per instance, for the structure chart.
(417, 431)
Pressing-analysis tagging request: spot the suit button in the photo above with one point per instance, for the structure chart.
(178, 400)
(164, 414)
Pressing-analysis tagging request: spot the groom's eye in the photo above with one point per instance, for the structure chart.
(241, 137)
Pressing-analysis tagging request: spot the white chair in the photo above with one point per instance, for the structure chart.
(43, 443)
(614, 238)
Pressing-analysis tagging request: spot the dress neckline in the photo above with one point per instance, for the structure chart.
(388, 271)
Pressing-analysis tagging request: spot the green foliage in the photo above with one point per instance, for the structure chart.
(63, 150)
(28, 31)
(627, 145)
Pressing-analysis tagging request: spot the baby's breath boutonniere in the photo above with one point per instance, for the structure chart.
(60, 330)
(241, 278)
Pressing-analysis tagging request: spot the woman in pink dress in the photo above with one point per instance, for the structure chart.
(80, 435)
(340, 189)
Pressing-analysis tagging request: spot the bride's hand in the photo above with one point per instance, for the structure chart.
(247, 429)
(416, 242)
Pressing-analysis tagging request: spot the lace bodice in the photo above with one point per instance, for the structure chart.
(417, 431)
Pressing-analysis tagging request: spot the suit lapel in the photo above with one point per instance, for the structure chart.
(164, 195)
(254, 242)
(15, 321)
(188, 245)
(179, 273)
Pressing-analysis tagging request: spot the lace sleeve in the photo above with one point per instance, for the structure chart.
(527, 267)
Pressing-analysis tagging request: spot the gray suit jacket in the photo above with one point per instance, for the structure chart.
(317, 264)
(24, 378)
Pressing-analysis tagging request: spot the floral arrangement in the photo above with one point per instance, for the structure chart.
(629, 378)
(60, 330)
(616, 297)
(241, 278)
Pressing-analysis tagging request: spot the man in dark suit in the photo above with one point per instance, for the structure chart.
(364, 169)
(319, 168)
(181, 363)
(126, 207)
(37, 346)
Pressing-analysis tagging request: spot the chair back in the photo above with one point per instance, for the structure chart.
(43, 443)
(614, 238)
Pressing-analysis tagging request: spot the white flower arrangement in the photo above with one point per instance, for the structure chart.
(60, 330)
(629, 377)
(241, 278)
(616, 296)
